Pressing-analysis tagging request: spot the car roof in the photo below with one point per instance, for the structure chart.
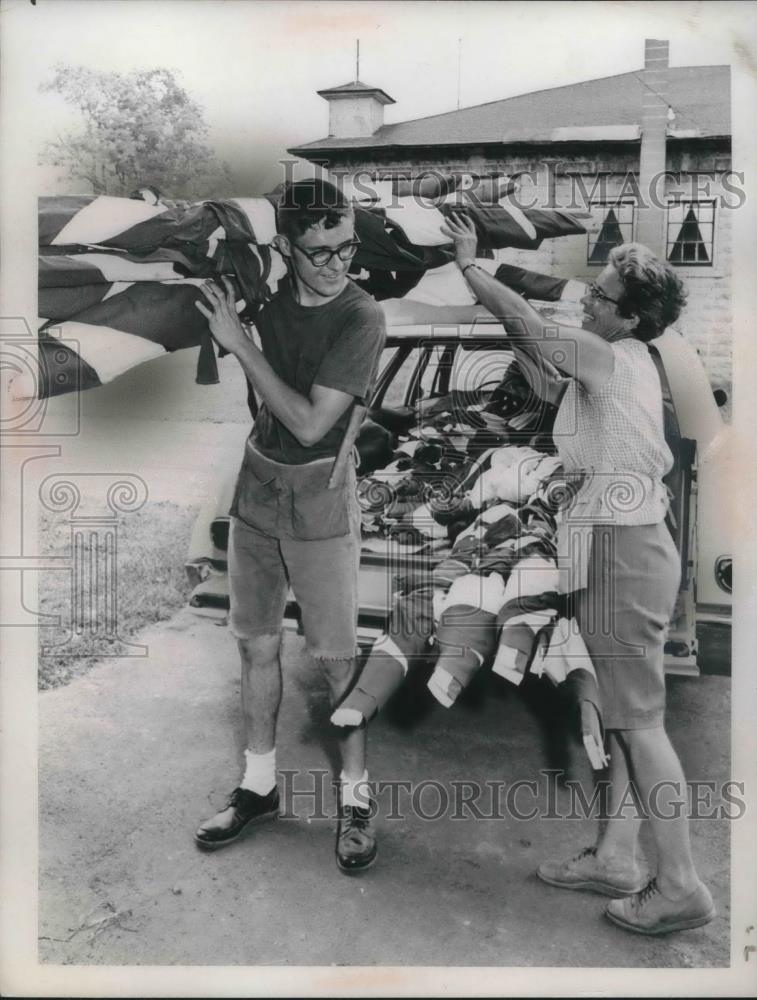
(483, 327)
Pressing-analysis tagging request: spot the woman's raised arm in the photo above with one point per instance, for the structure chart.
(576, 352)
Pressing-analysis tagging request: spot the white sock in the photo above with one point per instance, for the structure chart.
(259, 771)
(355, 793)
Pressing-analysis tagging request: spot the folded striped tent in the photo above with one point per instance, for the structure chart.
(118, 277)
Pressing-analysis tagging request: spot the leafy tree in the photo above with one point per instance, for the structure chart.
(138, 128)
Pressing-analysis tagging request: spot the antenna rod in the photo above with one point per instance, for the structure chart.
(357, 59)
(459, 59)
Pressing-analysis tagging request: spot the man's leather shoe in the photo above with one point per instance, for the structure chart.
(356, 846)
(244, 809)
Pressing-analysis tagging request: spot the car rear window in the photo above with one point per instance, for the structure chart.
(478, 368)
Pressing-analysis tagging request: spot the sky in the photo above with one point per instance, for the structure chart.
(255, 66)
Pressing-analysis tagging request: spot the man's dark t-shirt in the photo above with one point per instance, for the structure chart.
(336, 345)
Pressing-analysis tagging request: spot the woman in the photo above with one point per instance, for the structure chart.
(609, 427)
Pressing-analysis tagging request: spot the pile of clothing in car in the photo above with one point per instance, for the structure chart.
(488, 509)
(468, 450)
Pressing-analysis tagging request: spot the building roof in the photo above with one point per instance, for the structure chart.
(699, 96)
(357, 87)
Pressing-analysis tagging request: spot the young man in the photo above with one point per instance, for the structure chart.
(321, 339)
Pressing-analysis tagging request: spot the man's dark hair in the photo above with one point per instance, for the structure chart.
(306, 203)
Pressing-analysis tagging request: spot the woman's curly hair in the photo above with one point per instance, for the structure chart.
(652, 291)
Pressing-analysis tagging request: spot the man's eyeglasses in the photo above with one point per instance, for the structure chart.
(320, 258)
(596, 293)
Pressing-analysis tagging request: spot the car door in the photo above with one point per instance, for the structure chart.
(713, 504)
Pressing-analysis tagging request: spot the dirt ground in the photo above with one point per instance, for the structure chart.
(134, 754)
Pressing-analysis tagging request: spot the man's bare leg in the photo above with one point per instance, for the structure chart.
(339, 673)
(356, 847)
(257, 796)
(261, 690)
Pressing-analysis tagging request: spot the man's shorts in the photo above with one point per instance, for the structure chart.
(322, 573)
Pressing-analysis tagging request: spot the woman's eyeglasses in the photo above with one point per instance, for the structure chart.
(320, 258)
(596, 293)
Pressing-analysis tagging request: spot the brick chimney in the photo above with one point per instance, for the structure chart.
(355, 109)
(650, 228)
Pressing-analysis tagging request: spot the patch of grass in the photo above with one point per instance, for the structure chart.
(151, 585)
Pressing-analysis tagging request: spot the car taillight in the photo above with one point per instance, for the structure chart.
(219, 533)
(723, 573)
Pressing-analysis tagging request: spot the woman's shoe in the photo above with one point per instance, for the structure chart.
(586, 871)
(649, 912)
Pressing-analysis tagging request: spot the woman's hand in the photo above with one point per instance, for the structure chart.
(462, 232)
(221, 314)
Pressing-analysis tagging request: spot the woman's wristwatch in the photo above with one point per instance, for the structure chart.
(473, 264)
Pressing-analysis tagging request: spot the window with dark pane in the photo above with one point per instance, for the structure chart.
(691, 232)
(612, 224)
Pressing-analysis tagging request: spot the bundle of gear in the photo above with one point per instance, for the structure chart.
(475, 494)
